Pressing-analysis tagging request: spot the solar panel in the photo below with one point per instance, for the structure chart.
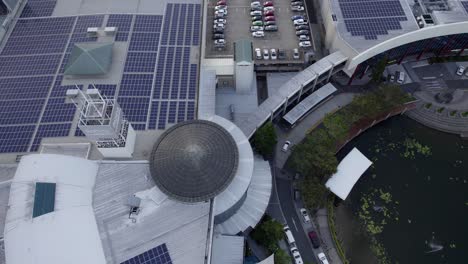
(136, 85)
(107, 90)
(190, 110)
(139, 126)
(16, 138)
(50, 130)
(192, 81)
(181, 112)
(140, 62)
(58, 111)
(153, 115)
(39, 27)
(147, 23)
(174, 24)
(189, 26)
(175, 86)
(20, 111)
(26, 45)
(134, 108)
(166, 85)
(162, 115)
(123, 24)
(182, 24)
(29, 65)
(25, 87)
(465, 5)
(38, 9)
(147, 41)
(372, 18)
(196, 26)
(172, 112)
(157, 255)
(167, 21)
(84, 22)
(60, 90)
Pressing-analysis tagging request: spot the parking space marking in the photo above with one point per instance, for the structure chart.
(294, 223)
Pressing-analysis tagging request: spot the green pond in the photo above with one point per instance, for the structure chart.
(414, 197)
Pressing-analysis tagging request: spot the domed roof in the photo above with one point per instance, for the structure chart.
(194, 161)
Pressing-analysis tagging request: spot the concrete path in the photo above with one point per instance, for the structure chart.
(328, 244)
(298, 133)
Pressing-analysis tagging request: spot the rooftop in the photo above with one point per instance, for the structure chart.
(195, 160)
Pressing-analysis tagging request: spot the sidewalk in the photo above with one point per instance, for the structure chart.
(327, 241)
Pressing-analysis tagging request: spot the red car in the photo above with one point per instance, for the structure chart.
(269, 18)
(314, 239)
(268, 3)
(269, 13)
(222, 2)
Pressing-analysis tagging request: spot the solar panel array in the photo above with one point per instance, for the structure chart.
(158, 86)
(370, 18)
(157, 255)
(465, 5)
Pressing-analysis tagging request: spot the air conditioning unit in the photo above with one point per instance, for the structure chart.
(110, 30)
(92, 31)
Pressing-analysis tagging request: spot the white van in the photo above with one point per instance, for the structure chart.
(289, 236)
(401, 78)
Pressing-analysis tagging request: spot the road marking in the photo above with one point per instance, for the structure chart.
(295, 226)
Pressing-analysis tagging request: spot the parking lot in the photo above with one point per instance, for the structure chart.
(238, 27)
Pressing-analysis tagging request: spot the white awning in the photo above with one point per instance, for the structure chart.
(349, 171)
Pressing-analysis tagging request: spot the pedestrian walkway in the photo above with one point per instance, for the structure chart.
(328, 244)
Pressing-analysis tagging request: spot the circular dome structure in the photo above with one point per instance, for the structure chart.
(194, 161)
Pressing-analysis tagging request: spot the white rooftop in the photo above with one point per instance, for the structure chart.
(348, 173)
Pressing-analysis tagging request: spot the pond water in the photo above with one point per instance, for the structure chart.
(416, 191)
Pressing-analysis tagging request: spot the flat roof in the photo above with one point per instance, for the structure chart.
(308, 103)
(348, 173)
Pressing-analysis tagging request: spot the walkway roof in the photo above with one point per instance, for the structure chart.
(309, 102)
(349, 171)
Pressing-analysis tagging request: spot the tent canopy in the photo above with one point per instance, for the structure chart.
(90, 58)
(348, 173)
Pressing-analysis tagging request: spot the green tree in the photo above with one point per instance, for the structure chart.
(267, 233)
(337, 126)
(265, 140)
(378, 70)
(314, 193)
(281, 257)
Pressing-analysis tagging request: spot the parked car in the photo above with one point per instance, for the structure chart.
(266, 54)
(255, 18)
(271, 27)
(305, 215)
(286, 145)
(257, 23)
(401, 78)
(219, 21)
(218, 31)
(269, 18)
(297, 195)
(218, 16)
(460, 70)
(268, 3)
(255, 3)
(219, 42)
(256, 8)
(314, 239)
(258, 53)
(273, 54)
(218, 25)
(298, 22)
(269, 8)
(281, 54)
(256, 13)
(301, 27)
(269, 13)
(296, 54)
(297, 8)
(297, 257)
(391, 78)
(305, 44)
(322, 258)
(302, 32)
(296, 3)
(256, 28)
(222, 2)
(303, 37)
(269, 23)
(221, 11)
(220, 7)
(258, 34)
(296, 17)
(218, 36)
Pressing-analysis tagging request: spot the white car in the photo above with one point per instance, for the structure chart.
(460, 70)
(322, 258)
(305, 44)
(298, 22)
(303, 37)
(256, 13)
(268, 8)
(297, 257)
(218, 26)
(266, 54)
(219, 21)
(221, 12)
(297, 8)
(219, 42)
(222, 7)
(296, 54)
(258, 34)
(286, 146)
(305, 215)
(256, 28)
(255, 4)
(258, 53)
(274, 56)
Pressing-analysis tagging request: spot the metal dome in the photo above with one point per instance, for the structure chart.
(194, 161)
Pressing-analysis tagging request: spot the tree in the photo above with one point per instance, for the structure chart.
(265, 140)
(378, 70)
(314, 193)
(337, 126)
(267, 233)
(281, 257)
